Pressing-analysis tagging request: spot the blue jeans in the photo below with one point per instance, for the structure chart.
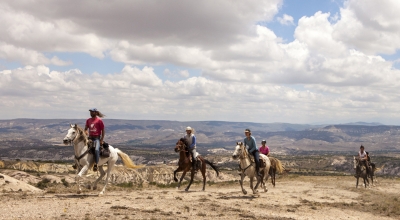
(256, 155)
(97, 149)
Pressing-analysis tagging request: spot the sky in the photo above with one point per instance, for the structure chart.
(266, 61)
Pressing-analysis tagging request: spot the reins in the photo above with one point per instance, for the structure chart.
(84, 154)
(243, 157)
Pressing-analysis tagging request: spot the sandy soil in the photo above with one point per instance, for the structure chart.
(292, 198)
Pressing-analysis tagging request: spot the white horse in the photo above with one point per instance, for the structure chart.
(248, 168)
(77, 137)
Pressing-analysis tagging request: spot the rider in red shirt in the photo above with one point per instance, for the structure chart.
(96, 132)
(264, 149)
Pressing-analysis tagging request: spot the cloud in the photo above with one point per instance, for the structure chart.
(28, 57)
(23, 30)
(139, 93)
(370, 26)
(286, 20)
(332, 69)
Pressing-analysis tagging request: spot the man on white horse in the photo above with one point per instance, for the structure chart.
(96, 132)
(250, 143)
(191, 138)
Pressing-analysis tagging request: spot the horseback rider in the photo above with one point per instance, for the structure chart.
(191, 139)
(264, 149)
(363, 156)
(96, 132)
(250, 143)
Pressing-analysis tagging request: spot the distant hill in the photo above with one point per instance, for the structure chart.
(24, 137)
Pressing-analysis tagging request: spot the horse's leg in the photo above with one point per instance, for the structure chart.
(102, 174)
(241, 182)
(357, 182)
(78, 177)
(257, 184)
(177, 170)
(251, 184)
(266, 181)
(203, 172)
(191, 179)
(183, 175)
(372, 180)
(109, 169)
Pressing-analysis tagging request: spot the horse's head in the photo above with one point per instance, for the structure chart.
(181, 145)
(355, 162)
(240, 150)
(72, 133)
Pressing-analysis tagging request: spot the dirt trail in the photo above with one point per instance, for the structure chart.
(292, 198)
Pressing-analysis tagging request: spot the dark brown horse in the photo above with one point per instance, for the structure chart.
(361, 171)
(185, 164)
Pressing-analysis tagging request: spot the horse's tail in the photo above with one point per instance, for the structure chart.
(127, 160)
(213, 166)
(278, 165)
(379, 168)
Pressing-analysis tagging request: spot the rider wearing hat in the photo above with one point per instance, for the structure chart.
(264, 149)
(96, 132)
(250, 143)
(191, 138)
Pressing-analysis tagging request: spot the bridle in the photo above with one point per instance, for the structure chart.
(243, 155)
(71, 142)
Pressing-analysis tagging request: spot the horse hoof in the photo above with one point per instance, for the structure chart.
(186, 189)
(79, 192)
(245, 192)
(94, 187)
(88, 187)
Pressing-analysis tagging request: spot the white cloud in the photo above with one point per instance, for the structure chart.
(27, 57)
(286, 20)
(332, 69)
(370, 26)
(184, 73)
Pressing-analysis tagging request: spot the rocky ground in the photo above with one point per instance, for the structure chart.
(294, 197)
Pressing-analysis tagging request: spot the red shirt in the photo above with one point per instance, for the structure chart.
(95, 126)
(264, 150)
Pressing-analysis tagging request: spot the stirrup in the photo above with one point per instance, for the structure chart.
(95, 168)
(74, 166)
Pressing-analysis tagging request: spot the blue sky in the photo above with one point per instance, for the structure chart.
(259, 61)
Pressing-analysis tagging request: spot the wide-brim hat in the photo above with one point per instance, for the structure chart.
(189, 129)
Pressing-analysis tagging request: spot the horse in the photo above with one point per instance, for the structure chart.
(247, 167)
(185, 164)
(361, 171)
(76, 136)
(276, 167)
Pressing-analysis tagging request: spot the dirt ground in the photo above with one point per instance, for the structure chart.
(294, 197)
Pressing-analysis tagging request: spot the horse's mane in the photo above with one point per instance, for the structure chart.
(184, 141)
(82, 135)
(245, 152)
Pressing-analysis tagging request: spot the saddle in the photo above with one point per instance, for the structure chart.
(263, 163)
(104, 149)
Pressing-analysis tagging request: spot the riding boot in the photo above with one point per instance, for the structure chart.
(258, 169)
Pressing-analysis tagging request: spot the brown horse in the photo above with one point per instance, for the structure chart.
(361, 171)
(185, 164)
(276, 167)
